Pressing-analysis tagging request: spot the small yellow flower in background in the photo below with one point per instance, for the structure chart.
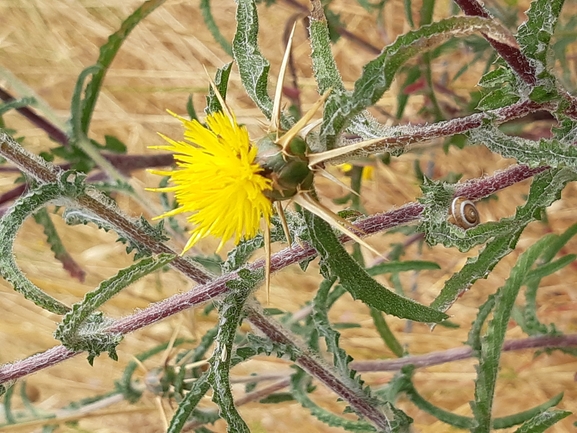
(368, 170)
(217, 180)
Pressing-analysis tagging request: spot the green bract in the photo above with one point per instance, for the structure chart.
(289, 171)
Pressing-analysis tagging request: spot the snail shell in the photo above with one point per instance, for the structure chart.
(464, 213)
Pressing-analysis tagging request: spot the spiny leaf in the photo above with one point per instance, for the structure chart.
(543, 421)
(561, 240)
(230, 311)
(15, 104)
(240, 254)
(221, 82)
(252, 66)
(201, 385)
(464, 422)
(493, 342)
(476, 268)
(341, 359)
(532, 153)
(74, 216)
(125, 384)
(534, 37)
(386, 334)
(405, 266)
(57, 247)
(550, 268)
(378, 74)
(300, 383)
(325, 68)
(521, 417)
(335, 261)
(93, 300)
(501, 87)
(545, 189)
(184, 410)
(69, 185)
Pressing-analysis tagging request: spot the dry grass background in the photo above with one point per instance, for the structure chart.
(46, 43)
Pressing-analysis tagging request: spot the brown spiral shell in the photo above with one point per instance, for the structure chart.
(464, 213)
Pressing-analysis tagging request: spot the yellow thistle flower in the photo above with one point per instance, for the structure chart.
(227, 188)
(217, 180)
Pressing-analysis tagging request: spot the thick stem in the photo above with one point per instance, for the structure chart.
(513, 56)
(400, 137)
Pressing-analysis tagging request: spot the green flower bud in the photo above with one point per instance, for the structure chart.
(288, 171)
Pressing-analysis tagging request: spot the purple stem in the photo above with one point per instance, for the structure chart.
(459, 353)
(513, 56)
(52, 130)
(124, 163)
(309, 362)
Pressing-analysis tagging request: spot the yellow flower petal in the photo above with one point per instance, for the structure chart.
(217, 180)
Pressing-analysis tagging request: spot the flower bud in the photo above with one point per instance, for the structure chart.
(288, 170)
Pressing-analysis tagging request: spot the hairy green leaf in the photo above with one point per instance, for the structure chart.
(230, 311)
(15, 104)
(300, 384)
(325, 69)
(341, 359)
(79, 331)
(493, 342)
(532, 153)
(386, 334)
(521, 417)
(252, 66)
(56, 246)
(221, 82)
(543, 421)
(107, 53)
(69, 185)
(335, 261)
(408, 265)
(534, 37)
(545, 189)
(125, 384)
(378, 74)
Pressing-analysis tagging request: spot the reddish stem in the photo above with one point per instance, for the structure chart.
(513, 56)
(52, 130)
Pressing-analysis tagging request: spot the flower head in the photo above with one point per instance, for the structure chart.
(217, 181)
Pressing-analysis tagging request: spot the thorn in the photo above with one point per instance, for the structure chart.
(334, 179)
(341, 224)
(276, 109)
(317, 158)
(285, 140)
(225, 107)
(163, 417)
(170, 346)
(282, 216)
(308, 128)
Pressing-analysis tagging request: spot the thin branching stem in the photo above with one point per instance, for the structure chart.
(310, 362)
